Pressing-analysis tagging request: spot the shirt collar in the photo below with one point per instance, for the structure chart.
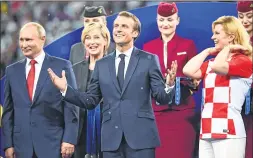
(127, 52)
(39, 59)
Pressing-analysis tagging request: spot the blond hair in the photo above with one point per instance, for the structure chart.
(232, 26)
(104, 32)
(40, 29)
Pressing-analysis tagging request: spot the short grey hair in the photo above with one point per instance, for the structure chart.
(40, 29)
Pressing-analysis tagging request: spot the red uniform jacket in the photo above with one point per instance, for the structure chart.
(182, 50)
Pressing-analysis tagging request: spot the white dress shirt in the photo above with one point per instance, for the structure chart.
(39, 59)
(128, 54)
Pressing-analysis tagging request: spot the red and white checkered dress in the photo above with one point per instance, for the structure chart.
(223, 99)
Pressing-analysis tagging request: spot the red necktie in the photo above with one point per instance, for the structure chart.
(30, 79)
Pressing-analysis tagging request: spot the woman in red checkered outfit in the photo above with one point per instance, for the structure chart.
(245, 15)
(226, 81)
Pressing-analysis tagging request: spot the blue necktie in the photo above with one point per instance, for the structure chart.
(121, 69)
(178, 93)
(247, 103)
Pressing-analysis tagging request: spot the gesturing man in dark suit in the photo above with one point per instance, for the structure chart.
(126, 79)
(37, 123)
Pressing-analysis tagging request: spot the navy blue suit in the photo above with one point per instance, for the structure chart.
(41, 125)
(127, 111)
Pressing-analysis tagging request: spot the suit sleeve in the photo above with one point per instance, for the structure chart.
(157, 83)
(89, 99)
(8, 114)
(71, 112)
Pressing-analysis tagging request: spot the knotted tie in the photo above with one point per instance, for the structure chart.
(121, 69)
(30, 79)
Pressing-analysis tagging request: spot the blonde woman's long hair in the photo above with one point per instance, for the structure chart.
(232, 26)
(104, 32)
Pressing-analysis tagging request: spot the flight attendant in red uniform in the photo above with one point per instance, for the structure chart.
(175, 122)
(245, 15)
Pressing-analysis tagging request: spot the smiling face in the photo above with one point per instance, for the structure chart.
(167, 25)
(246, 19)
(123, 30)
(94, 42)
(220, 37)
(30, 42)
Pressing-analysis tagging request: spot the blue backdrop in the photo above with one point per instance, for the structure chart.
(195, 23)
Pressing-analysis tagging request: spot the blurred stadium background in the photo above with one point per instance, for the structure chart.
(58, 18)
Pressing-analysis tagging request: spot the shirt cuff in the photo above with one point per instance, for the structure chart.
(168, 88)
(64, 92)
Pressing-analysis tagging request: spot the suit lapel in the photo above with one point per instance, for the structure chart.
(22, 73)
(84, 71)
(131, 67)
(42, 77)
(113, 70)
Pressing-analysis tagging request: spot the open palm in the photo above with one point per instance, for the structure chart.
(60, 83)
(172, 72)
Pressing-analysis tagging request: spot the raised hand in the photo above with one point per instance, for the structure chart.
(171, 74)
(60, 83)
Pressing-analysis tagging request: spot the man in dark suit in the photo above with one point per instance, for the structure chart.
(126, 79)
(37, 122)
(91, 14)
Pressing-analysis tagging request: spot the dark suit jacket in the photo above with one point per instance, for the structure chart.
(81, 71)
(77, 52)
(43, 124)
(128, 111)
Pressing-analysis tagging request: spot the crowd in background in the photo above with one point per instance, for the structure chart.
(58, 18)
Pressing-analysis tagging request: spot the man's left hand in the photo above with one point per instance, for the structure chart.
(67, 150)
(171, 74)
